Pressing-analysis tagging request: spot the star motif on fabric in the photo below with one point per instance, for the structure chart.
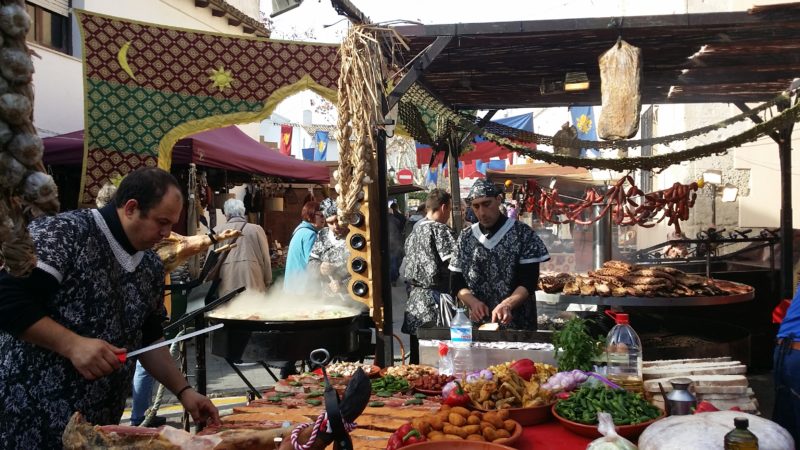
(221, 78)
(584, 124)
(320, 145)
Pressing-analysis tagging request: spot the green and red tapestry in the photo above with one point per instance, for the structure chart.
(147, 86)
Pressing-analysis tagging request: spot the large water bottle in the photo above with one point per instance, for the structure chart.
(624, 353)
(461, 343)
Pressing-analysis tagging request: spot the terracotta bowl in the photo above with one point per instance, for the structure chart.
(472, 445)
(529, 416)
(630, 432)
(461, 445)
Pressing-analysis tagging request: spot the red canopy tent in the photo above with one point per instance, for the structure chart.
(223, 148)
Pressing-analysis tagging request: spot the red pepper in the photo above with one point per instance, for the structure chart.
(705, 406)
(457, 397)
(563, 395)
(413, 437)
(396, 439)
(525, 368)
(735, 408)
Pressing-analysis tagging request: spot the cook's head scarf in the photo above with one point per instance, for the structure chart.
(483, 188)
(328, 207)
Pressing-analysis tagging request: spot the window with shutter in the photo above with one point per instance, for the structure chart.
(49, 28)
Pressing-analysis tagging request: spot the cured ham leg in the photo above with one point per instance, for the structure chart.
(176, 249)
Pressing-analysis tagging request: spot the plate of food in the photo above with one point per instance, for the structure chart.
(630, 412)
(410, 372)
(460, 424)
(432, 384)
(532, 415)
(630, 432)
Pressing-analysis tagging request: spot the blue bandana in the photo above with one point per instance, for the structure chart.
(483, 188)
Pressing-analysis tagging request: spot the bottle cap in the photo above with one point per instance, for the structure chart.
(622, 319)
(741, 422)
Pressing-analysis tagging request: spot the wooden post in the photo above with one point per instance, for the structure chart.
(455, 186)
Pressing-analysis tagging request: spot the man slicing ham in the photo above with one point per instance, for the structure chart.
(96, 292)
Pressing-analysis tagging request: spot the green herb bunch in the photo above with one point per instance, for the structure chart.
(574, 348)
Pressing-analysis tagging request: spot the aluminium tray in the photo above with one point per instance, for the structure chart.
(553, 299)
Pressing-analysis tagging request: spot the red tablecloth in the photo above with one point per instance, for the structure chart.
(550, 436)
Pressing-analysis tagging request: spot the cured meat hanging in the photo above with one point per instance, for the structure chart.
(627, 204)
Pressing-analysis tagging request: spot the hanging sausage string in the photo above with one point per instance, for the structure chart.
(623, 200)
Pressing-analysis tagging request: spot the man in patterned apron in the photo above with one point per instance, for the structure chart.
(495, 268)
(96, 292)
(429, 248)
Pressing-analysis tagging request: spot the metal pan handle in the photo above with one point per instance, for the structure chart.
(320, 357)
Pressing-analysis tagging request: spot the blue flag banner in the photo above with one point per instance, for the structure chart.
(308, 154)
(522, 122)
(497, 164)
(321, 139)
(432, 176)
(481, 166)
(583, 120)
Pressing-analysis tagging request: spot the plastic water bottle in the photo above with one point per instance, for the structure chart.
(461, 343)
(624, 355)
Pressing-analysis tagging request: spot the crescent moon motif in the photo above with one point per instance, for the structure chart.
(122, 58)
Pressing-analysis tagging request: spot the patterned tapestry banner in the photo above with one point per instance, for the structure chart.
(148, 86)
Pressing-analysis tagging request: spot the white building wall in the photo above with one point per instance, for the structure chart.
(58, 85)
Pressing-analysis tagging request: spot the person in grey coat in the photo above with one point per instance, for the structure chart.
(248, 263)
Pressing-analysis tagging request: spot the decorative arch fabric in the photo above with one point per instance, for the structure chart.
(147, 86)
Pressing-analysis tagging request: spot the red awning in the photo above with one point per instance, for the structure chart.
(230, 148)
(223, 148)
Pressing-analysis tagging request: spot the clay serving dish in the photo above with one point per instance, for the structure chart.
(630, 432)
(507, 443)
(461, 445)
(528, 416)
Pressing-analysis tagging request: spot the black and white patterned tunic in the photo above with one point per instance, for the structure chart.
(103, 292)
(330, 249)
(490, 265)
(429, 249)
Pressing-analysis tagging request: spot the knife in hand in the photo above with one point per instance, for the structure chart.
(125, 356)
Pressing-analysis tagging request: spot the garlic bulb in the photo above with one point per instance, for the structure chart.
(12, 171)
(336, 175)
(26, 148)
(14, 20)
(39, 188)
(16, 66)
(5, 133)
(367, 180)
(15, 109)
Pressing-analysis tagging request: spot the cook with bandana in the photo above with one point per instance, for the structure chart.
(329, 255)
(495, 267)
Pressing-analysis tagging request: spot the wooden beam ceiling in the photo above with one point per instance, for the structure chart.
(719, 57)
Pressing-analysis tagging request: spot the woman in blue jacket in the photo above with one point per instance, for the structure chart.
(303, 238)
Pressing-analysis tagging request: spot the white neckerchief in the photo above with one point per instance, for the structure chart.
(126, 260)
(496, 238)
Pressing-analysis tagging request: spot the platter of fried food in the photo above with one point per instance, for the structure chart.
(508, 390)
(459, 423)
